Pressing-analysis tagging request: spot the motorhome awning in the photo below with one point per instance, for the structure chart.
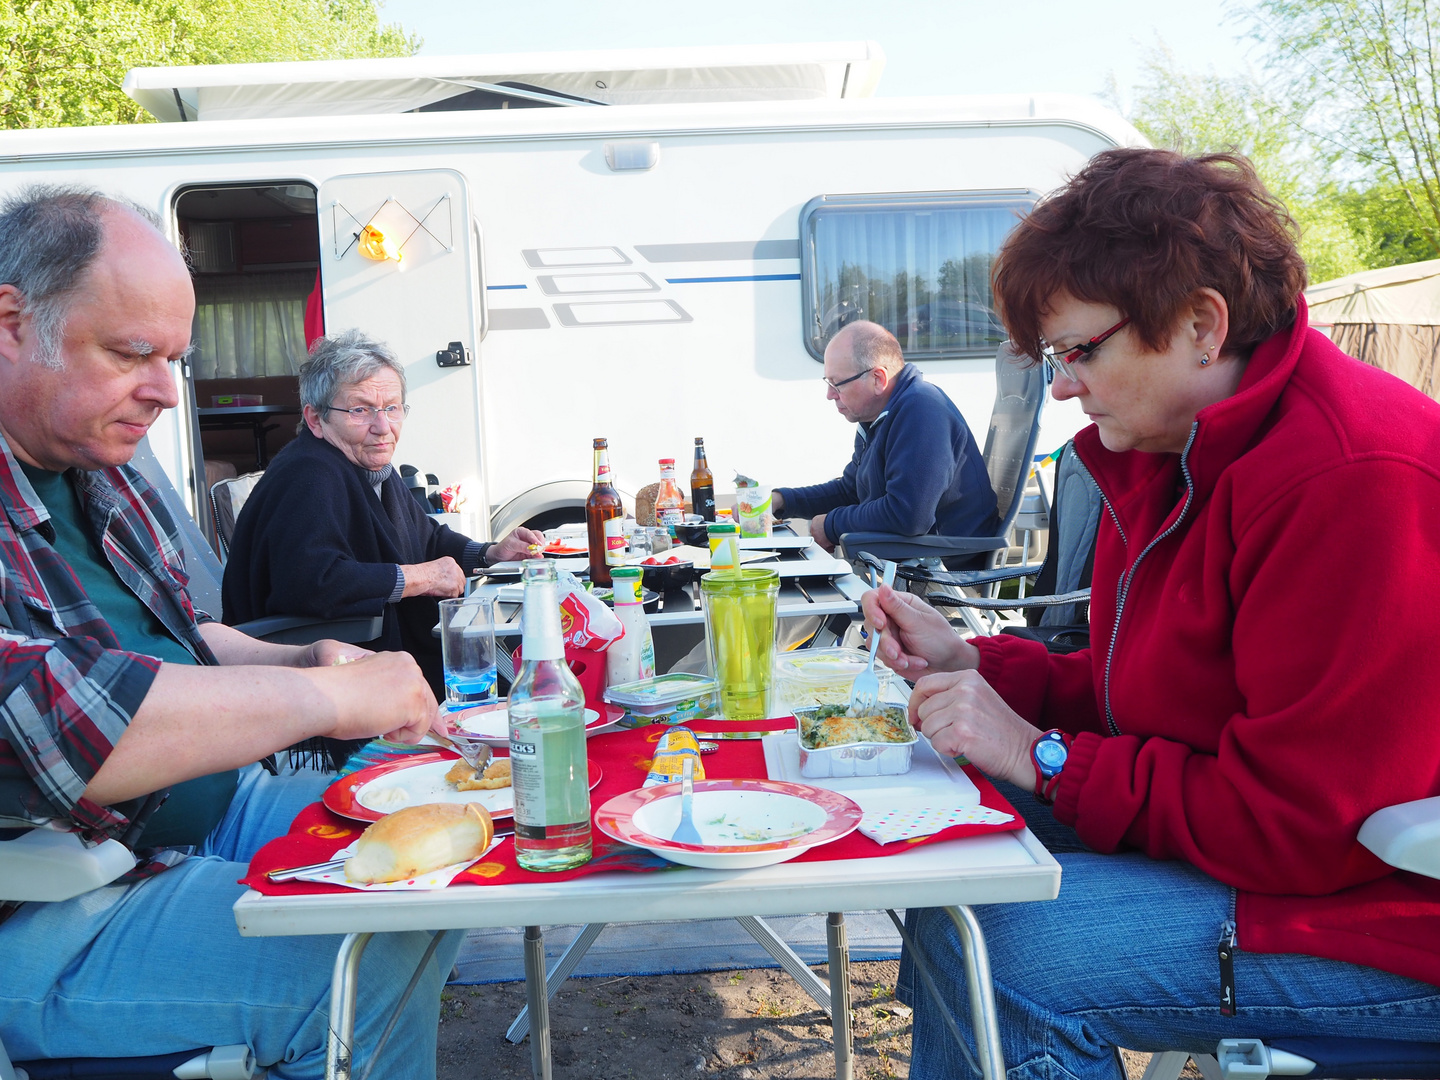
(616, 77)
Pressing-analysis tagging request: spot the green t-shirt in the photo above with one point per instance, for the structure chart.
(194, 806)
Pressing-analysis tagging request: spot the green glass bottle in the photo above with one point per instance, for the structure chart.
(550, 773)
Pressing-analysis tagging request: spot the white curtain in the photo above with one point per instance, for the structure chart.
(922, 272)
(250, 325)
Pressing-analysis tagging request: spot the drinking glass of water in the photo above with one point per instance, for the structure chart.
(467, 639)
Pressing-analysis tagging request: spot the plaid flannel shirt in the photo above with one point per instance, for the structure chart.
(67, 690)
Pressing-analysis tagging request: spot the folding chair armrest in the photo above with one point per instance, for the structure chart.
(1406, 836)
(1011, 604)
(305, 629)
(50, 865)
(896, 546)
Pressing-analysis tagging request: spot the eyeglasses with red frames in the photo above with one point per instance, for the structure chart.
(1062, 362)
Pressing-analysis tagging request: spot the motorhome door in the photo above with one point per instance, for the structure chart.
(399, 260)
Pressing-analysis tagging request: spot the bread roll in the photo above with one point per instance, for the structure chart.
(419, 839)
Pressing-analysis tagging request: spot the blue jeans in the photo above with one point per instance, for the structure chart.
(1126, 956)
(158, 967)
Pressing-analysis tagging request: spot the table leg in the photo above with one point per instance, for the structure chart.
(982, 992)
(839, 948)
(568, 962)
(340, 1041)
(538, 1003)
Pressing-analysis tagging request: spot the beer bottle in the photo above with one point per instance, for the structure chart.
(669, 500)
(702, 484)
(604, 512)
(548, 768)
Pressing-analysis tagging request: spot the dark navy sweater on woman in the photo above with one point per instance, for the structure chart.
(313, 539)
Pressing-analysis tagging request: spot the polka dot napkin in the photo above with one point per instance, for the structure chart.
(906, 823)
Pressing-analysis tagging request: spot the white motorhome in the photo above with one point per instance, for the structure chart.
(648, 245)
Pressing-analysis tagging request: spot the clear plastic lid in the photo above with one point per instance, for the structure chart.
(661, 690)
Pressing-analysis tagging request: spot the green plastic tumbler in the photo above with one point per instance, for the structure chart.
(740, 637)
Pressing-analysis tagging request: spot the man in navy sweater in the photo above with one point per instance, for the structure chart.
(916, 468)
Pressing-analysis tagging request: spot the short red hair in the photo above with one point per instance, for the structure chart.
(1144, 231)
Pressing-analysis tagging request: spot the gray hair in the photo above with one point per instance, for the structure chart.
(873, 346)
(340, 360)
(49, 236)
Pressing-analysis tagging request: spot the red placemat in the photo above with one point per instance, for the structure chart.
(624, 757)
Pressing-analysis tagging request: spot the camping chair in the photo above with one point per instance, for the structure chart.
(38, 865)
(1407, 837)
(1009, 446)
(1057, 609)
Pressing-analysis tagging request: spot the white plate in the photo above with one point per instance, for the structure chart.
(742, 823)
(426, 783)
(493, 724)
(933, 779)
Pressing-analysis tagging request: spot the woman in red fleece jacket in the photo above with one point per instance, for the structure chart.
(1260, 681)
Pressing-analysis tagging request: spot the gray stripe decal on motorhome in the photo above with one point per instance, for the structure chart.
(519, 318)
(727, 251)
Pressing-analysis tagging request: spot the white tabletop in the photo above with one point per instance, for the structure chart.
(990, 869)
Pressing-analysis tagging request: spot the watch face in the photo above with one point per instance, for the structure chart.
(1051, 754)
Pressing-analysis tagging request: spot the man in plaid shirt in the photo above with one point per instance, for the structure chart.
(115, 691)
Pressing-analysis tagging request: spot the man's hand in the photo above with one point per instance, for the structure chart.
(383, 693)
(960, 713)
(916, 636)
(523, 543)
(777, 505)
(817, 530)
(328, 652)
(441, 577)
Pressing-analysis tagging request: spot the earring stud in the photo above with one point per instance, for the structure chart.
(1205, 359)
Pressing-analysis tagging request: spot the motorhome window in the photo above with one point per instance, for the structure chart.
(917, 264)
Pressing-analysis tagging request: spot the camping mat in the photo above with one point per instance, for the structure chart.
(670, 948)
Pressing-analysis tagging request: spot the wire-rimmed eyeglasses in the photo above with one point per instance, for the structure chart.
(1061, 362)
(836, 385)
(365, 414)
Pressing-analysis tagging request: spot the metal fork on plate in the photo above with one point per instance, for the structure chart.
(685, 832)
(865, 690)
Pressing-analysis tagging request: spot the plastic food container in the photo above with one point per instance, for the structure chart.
(857, 758)
(665, 699)
(809, 677)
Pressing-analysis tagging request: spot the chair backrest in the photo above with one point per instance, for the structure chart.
(227, 499)
(1014, 428)
(1075, 517)
(201, 562)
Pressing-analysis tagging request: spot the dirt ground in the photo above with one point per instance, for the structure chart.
(743, 1024)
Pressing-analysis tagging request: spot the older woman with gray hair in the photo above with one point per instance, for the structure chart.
(332, 531)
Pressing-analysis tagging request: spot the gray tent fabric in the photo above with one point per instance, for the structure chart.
(1389, 318)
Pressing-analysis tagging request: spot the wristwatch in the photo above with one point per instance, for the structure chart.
(1048, 754)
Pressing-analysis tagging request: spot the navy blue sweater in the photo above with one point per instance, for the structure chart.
(916, 470)
(313, 539)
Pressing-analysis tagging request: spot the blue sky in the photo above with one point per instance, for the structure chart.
(931, 46)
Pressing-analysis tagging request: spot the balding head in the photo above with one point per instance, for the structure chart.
(49, 237)
(870, 345)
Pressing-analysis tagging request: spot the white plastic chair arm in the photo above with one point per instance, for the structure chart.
(45, 864)
(1406, 836)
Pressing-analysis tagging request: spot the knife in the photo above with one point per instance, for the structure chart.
(740, 734)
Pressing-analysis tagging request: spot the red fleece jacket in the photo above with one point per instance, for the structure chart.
(1263, 676)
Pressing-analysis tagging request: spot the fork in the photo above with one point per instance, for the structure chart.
(685, 832)
(865, 690)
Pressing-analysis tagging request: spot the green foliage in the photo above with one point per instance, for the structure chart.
(1362, 78)
(1343, 227)
(62, 62)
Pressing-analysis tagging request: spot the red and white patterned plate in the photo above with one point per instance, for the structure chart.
(744, 823)
(370, 793)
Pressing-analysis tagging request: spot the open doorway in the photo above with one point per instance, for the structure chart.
(255, 257)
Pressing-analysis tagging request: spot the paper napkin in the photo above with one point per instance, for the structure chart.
(906, 823)
(436, 879)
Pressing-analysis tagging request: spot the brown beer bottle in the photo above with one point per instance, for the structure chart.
(604, 511)
(702, 484)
